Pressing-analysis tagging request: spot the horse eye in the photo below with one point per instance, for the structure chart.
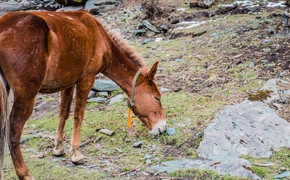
(157, 98)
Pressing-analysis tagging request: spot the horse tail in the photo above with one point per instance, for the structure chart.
(4, 120)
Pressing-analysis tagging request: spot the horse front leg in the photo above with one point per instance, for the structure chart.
(21, 111)
(82, 90)
(65, 104)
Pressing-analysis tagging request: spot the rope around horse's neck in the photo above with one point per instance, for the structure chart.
(131, 101)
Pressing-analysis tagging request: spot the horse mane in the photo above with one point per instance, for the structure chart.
(123, 44)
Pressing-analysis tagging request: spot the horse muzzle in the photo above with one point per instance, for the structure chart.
(158, 128)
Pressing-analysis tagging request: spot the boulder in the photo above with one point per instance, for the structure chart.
(248, 128)
(105, 85)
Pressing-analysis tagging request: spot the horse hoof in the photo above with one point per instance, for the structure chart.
(80, 159)
(58, 152)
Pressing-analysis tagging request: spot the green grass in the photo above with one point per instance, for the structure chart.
(197, 174)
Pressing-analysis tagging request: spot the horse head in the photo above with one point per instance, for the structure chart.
(147, 102)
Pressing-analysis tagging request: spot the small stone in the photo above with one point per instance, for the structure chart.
(271, 30)
(159, 69)
(173, 120)
(266, 50)
(157, 159)
(39, 156)
(264, 61)
(140, 32)
(146, 41)
(103, 94)
(69, 165)
(163, 89)
(282, 175)
(282, 168)
(279, 106)
(91, 94)
(107, 132)
(175, 21)
(138, 144)
(148, 162)
(149, 26)
(251, 64)
(178, 60)
(93, 166)
(198, 135)
(170, 131)
(266, 41)
(147, 156)
(164, 28)
(159, 39)
(116, 99)
(97, 99)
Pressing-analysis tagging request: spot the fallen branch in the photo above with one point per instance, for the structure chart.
(264, 165)
(133, 169)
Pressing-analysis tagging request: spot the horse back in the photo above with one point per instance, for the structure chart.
(68, 44)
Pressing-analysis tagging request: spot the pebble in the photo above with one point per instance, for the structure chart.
(107, 132)
(139, 32)
(103, 94)
(149, 26)
(69, 165)
(97, 99)
(163, 89)
(251, 64)
(164, 28)
(159, 39)
(91, 94)
(264, 61)
(138, 144)
(116, 99)
(170, 131)
(266, 50)
(159, 69)
(147, 156)
(178, 60)
(148, 162)
(146, 41)
(266, 41)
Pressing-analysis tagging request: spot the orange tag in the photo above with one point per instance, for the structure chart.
(129, 117)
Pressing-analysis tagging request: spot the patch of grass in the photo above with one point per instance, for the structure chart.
(280, 159)
(200, 174)
(260, 171)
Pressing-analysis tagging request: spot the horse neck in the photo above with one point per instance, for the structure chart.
(121, 69)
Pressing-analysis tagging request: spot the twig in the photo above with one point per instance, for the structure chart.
(264, 165)
(86, 142)
(133, 169)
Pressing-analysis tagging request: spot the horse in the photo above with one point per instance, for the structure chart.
(48, 52)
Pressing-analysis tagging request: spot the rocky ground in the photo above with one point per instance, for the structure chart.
(209, 58)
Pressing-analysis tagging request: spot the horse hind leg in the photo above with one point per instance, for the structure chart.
(21, 111)
(82, 91)
(66, 99)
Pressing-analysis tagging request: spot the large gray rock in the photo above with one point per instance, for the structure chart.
(105, 85)
(248, 128)
(234, 167)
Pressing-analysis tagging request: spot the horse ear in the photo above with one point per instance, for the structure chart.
(152, 71)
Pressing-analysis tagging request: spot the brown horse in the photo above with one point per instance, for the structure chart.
(47, 52)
